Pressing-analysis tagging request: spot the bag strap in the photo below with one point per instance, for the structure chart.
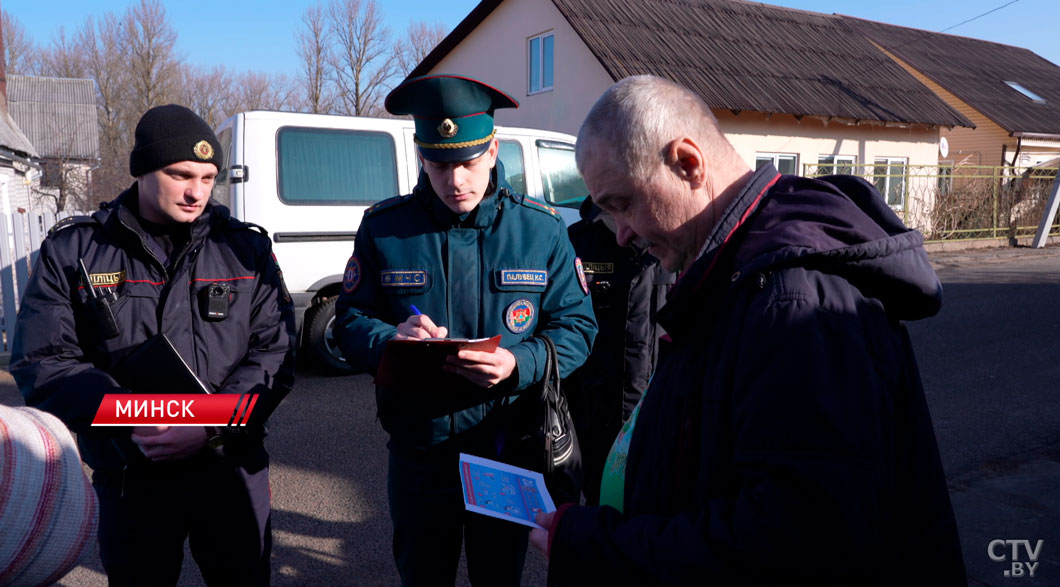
(550, 381)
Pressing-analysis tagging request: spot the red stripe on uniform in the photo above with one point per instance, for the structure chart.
(224, 278)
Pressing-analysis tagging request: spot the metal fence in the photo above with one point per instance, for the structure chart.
(960, 202)
(21, 235)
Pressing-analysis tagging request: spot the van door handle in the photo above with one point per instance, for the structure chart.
(238, 174)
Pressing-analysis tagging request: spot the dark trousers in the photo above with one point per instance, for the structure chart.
(145, 516)
(427, 510)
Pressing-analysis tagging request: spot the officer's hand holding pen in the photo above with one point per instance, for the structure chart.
(419, 326)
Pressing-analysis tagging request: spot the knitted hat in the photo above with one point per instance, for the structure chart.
(172, 133)
(48, 510)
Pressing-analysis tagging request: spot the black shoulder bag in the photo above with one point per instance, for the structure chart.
(542, 433)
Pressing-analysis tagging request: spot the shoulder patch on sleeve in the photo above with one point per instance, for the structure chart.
(351, 278)
(71, 221)
(535, 204)
(386, 204)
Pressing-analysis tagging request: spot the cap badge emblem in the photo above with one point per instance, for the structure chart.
(448, 129)
(203, 150)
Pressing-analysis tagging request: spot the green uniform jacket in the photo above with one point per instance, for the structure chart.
(505, 268)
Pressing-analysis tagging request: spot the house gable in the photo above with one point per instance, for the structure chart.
(496, 50)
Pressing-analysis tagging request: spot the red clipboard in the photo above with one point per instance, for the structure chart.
(414, 363)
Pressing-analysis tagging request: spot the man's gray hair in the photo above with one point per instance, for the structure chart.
(637, 117)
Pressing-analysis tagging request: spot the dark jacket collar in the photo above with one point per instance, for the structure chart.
(121, 216)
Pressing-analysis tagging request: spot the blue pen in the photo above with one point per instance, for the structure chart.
(415, 310)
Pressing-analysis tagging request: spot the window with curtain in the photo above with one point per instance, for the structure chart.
(833, 164)
(784, 162)
(335, 167)
(888, 174)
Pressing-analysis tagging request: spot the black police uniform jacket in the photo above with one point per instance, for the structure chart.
(627, 287)
(504, 268)
(61, 361)
(785, 437)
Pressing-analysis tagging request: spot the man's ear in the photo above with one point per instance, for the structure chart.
(686, 160)
(494, 151)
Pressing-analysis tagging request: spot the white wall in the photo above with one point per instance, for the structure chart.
(496, 53)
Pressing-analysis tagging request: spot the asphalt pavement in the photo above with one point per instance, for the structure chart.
(991, 367)
(990, 362)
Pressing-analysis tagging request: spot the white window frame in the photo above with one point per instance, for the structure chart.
(944, 182)
(775, 159)
(537, 86)
(887, 162)
(837, 162)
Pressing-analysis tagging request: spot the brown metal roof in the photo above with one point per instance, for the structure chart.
(749, 56)
(742, 56)
(976, 71)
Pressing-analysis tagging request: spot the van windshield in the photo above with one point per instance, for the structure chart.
(511, 158)
(335, 167)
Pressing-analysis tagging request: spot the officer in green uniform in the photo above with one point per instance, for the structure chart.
(461, 256)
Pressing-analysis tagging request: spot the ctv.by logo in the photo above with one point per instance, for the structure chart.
(1018, 568)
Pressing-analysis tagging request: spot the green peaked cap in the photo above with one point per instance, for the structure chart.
(453, 114)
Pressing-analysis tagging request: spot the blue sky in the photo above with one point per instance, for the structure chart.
(260, 35)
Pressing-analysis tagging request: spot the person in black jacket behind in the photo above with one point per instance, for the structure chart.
(156, 253)
(785, 437)
(628, 286)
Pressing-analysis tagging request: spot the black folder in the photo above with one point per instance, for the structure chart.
(156, 367)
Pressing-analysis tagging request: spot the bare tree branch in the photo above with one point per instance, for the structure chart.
(363, 60)
(421, 38)
(20, 55)
(149, 43)
(101, 44)
(64, 58)
(314, 51)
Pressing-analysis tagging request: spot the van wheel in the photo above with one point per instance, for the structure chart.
(320, 342)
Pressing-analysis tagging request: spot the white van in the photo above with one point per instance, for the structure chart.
(308, 178)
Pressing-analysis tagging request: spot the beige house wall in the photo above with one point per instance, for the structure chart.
(812, 137)
(496, 53)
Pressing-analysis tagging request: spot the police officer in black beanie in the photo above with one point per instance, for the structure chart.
(162, 258)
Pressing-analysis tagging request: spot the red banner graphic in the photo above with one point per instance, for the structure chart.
(158, 409)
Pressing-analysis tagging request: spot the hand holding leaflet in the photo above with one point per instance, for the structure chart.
(502, 491)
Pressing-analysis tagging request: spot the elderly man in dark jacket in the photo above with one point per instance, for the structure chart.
(785, 437)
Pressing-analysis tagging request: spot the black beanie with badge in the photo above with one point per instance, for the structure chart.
(172, 133)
